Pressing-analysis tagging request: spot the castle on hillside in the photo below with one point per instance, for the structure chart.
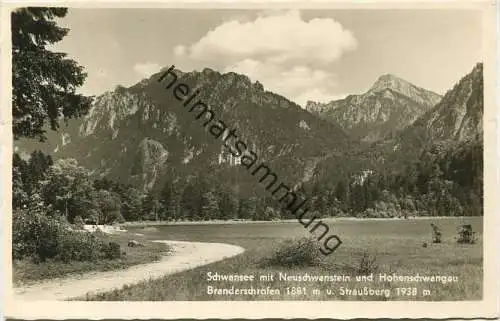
(225, 157)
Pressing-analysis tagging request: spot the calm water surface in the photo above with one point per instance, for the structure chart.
(232, 233)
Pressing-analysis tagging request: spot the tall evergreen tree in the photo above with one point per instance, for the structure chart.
(191, 201)
(228, 205)
(43, 82)
(248, 208)
(209, 206)
(342, 193)
(150, 207)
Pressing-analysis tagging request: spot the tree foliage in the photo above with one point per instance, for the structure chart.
(44, 83)
(68, 189)
(109, 205)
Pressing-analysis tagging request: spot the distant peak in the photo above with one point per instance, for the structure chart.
(208, 71)
(388, 76)
(401, 86)
(389, 81)
(391, 77)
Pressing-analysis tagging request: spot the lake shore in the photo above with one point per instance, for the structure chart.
(389, 246)
(326, 219)
(183, 256)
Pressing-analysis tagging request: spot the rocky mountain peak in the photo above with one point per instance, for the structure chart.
(401, 86)
(390, 105)
(389, 81)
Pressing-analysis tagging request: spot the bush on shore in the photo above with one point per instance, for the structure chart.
(367, 264)
(111, 250)
(41, 237)
(296, 253)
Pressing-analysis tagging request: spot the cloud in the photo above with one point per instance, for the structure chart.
(299, 83)
(146, 69)
(285, 53)
(179, 50)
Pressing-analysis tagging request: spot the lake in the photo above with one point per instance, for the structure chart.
(350, 231)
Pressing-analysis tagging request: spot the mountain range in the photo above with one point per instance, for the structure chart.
(141, 134)
(390, 105)
(455, 121)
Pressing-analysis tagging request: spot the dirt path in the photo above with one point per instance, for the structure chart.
(185, 256)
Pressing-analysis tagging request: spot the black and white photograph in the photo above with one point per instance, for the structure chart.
(249, 154)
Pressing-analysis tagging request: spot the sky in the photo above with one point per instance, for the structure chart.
(317, 55)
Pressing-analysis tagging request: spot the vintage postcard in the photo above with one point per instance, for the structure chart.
(221, 160)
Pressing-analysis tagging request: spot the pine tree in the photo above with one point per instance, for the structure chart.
(131, 204)
(248, 208)
(209, 206)
(170, 198)
(191, 201)
(150, 207)
(357, 198)
(342, 194)
(228, 205)
(165, 198)
(43, 82)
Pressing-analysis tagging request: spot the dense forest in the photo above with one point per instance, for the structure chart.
(443, 181)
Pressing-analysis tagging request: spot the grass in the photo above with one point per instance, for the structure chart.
(390, 250)
(26, 272)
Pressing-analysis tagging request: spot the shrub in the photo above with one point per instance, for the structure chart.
(367, 264)
(111, 251)
(40, 237)
(79, 223)
(75, 246)
(436, 234)
(35, 235)
(466, 235)
(296, 253)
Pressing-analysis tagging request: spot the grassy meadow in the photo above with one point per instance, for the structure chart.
(26, 271)
(385, 246)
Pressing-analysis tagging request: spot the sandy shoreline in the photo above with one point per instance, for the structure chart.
(184, 256)
(326, 219)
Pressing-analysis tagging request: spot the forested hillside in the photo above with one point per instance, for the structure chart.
(433, 167)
